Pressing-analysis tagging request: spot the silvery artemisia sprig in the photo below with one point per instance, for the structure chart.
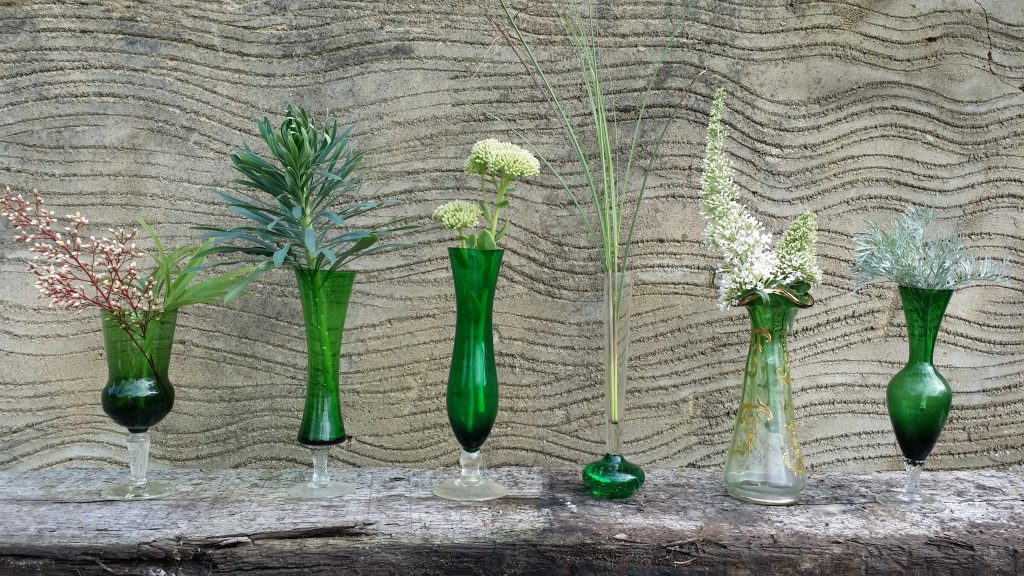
(905, 256)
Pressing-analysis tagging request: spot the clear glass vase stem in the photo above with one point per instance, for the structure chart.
(320, 486)
(320, 476)
(912, 491)
(138, 459)
(470, 486)
(470, 463)
(139, 488)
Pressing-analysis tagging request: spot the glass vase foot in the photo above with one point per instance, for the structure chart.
(910, 498)
(900, 499)
(761, 493)
(149, 491)
(320, 486)
(613, 477)
(470, 486)
(481, 491)
(312, 491)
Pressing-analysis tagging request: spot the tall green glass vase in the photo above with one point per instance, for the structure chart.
(138, 394)
(613, 476)
(764, 464)
(325, 296)
(472, 397)
(918, 397)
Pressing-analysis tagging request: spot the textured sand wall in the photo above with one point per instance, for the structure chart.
(846, 108)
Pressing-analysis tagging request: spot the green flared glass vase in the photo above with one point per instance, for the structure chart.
(764, 464)
(138, 394)
(325, 295)
(472, 395)
(918, 397)
(614, 477)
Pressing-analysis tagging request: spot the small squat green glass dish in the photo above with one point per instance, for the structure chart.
(613, 477)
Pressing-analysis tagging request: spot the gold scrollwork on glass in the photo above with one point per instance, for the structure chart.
(748, 419)
(762, 333)
(792, 458)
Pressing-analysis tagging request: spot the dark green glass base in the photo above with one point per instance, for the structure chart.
(307, 442)
(613, 477)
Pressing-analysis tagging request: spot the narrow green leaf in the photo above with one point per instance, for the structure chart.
(280, 255)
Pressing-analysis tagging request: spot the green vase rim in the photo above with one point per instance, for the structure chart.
(463, 249)
(919, 289)
(801, 302)
(322, 271)
(157, 315)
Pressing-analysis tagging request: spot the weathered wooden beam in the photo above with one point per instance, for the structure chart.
(682, 522)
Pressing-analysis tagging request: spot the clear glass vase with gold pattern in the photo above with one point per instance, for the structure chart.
(764, 464)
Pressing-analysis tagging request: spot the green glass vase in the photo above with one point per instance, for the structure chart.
(325, 295)
(138, 394)
(764, 464)
(614, 477)
(918, 397)
(472, 397)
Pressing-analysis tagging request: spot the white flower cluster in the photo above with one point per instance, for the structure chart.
(457, 215)
(798, 254)
(749, 263)
(503, 159)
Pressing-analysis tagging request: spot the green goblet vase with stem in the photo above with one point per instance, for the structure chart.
(918, 397)
(472, 395)
(325, 295)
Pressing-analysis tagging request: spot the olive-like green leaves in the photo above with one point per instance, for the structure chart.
(304, 197)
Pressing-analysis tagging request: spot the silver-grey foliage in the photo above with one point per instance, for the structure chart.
(906, 257)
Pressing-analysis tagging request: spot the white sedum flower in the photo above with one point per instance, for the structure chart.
(503, 159)
(457, 215)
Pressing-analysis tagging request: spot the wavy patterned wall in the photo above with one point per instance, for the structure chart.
(847, 108)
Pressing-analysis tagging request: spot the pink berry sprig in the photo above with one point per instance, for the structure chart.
(75, 274)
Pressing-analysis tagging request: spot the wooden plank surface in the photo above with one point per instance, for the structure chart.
(239, 521)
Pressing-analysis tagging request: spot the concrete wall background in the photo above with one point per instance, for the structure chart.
(850, 109)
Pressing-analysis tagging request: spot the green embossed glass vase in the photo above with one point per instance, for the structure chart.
(472, 396)
(918, 397)
(613, 476)
(138, 394)
(325, 295)
(764, 464)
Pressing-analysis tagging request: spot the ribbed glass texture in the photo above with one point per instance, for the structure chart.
(325, 296)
